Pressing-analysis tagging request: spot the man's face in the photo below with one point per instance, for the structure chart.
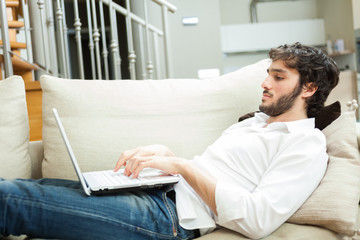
(281, 89)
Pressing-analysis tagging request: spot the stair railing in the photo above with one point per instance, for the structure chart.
(6, 41)
(56, 58)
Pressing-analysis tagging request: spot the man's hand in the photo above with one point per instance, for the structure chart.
(135, 158)
(160, 157)
(171, 165)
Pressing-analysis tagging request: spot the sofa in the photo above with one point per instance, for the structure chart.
(104, 118)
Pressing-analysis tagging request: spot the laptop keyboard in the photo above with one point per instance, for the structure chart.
(111, 178)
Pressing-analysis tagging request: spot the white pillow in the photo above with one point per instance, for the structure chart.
(104, 118)
(14, 130)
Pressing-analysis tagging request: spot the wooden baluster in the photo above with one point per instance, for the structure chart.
(142, 52)
(114, 42)
(41, 9)
(6, 40)
(77, 25)
(52, 46)
(91, 42)
(66, 41)
(59, 17)
(105, 52)
(132, 55)
(149, 65)
(96, 36)
(168, 62)
(156, 55)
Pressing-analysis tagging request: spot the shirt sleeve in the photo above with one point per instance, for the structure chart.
(289, 180)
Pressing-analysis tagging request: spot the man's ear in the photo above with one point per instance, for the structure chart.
(309, 89)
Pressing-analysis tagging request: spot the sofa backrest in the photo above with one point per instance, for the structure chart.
(104, 118)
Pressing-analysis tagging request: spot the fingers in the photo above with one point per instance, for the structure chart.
(146, 151)
(139, 168)
(127, 155)
(136, 165)
(124, 157)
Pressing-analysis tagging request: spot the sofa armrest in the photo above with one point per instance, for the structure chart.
(36, 152)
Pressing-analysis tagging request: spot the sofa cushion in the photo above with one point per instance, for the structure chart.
(14, 130)
(104, 118)
(287, 231)
(334, 203)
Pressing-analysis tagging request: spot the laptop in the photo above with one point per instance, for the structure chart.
(108, 181)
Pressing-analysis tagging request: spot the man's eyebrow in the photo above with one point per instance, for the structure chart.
(279, 70)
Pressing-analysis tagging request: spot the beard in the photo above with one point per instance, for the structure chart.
(283, 104)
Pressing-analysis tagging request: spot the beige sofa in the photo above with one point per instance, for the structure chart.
(103, 118)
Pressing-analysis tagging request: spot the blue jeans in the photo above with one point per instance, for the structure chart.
(54, 208)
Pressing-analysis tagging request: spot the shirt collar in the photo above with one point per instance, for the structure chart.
(293, 126)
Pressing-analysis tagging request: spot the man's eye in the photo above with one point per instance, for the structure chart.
(278, 78)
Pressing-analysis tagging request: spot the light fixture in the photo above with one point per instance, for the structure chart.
(190, 21)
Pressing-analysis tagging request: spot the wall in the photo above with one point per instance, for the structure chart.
(338, 18)
(356, 13)
(198, 47)
(238, 12)
(195, 47)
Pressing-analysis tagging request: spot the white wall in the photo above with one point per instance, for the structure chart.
(195, 47)
(356, 13)
(238, 12)
(338, 19)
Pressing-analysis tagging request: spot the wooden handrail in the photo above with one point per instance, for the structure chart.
(19, 64)
(171, 7)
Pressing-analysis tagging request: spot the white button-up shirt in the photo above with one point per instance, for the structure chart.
(264, 174)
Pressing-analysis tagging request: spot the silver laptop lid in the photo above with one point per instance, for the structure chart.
(71, 153)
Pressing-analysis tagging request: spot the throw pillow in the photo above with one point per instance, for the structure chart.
(104, 118)
(14, 130)
(334, 204)
(327, 115)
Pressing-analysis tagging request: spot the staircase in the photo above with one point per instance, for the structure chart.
(14, 16)
(14, 13)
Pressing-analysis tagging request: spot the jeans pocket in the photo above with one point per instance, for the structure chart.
(170, 203)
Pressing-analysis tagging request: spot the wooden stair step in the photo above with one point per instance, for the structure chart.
(32, 85)
(19, 64)
(16, 45)
(34, 106)
(12, 3)
(27, 75)
(15, 24)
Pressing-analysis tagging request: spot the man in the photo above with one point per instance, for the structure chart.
(251, 180)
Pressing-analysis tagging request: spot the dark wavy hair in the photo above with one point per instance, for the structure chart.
(315, 67)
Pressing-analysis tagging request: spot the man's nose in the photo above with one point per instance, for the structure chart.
(266, 84)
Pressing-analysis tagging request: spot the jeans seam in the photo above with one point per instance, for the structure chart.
(173, 219)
